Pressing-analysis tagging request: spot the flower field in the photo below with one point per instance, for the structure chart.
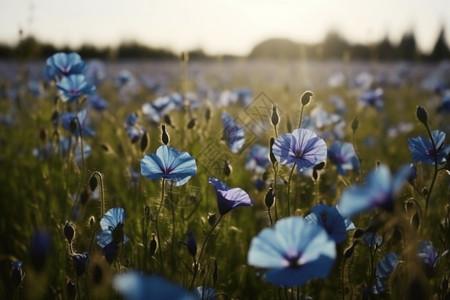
(240, 179)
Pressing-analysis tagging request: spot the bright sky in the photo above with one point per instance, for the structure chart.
(220, 26)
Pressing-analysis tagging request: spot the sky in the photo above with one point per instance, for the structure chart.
(220, 26)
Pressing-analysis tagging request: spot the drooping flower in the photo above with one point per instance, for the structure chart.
(233, 133)
(384, 270)
(80, 261)
(258, 159)
(112, 235)
(302, 147)
(68, 118)
(63, 64)
(134, 130)
(429, 256)
(97, 103)
(136, 286)
(343, 156)
(294, 250)
(331, 220)
(229, 198)
(170, 164)
(72, 87)
(379, 191)
(422, 149)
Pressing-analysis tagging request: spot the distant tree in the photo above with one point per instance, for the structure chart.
(334, 46)
(276, 49)
(440, 50)
(6, 51)
(28, 48)
(385, 50)
(407, 48)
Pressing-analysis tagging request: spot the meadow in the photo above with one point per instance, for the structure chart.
(100, 201)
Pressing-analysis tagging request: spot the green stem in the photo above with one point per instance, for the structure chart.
(203, 248)
(275, 171)
(289, 189)
(301, 117)
(163, 184)
(357, 155)
(270, 216)
(427, 200)
(102, 192)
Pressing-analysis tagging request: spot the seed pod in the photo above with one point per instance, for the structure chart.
(93, 182)
(153, 245)
(208, 114)
(275, 117)
(167, 120)
(227, 169)
(305, 99)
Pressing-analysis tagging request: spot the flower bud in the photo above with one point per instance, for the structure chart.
(167, 120)
(208, 114)
(275, 117)
(153, 245)
(93, 182)
(80, 261)
(191, 244)
(305, 99)
(69, 231)
(164, 136)
(211, 219)
(71, 289)
(191, 123)
(144, 141)
(227, 169)
(355, 124)
(422, 115)
(270, 198)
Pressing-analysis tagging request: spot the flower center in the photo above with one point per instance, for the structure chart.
(298, 153)
(292, 257)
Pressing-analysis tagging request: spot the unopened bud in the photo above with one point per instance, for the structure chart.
(305, 99)
(270, 198)
(93, 182)
(275, 117)
(69, 231)
(144, 141)
(153, 245)
(191, 244)
(211, 219)
(355, 124)
(208, 114)
(164, 136)
(422, 115)
(191, 123)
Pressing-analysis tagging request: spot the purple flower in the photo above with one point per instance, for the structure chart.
(422, 149)
(170, 164)
(258, 159)
(303, 147)
(63, 64)
(69, 117)
(294, 251)
(379, 191)
(373, 98)
(233, 133)
(331, 220)
(229, 198)
(97, 103)
(384, 270)
(343, 156)
(429, 256)
(72, 87)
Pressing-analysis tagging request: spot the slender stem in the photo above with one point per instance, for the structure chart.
(172, 206)
(163, 184)
(289, 189)
(427, 200)
(301, 117)
(357, 155)
(201, 251)
(342, 280)
(270, 216)
(276, 131)
(81, 145)
(102, 192)
(275, 171)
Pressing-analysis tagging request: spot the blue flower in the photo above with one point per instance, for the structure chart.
(444, 107)
(17, 273)
(343, 156)
(373, 98)
(68, 117)
(205, 293)
(302, 147)
(63, 64)
(97, 103)
(233, 134)
(112, 235)
(72, 87)
(331, 220)
(379, 191)
(422, 149)
(161, 106)
(258, 159)
(41, 246)
(429, 256)
(294, 251)
(384, 270)
(229, 198)
(80, 261)
(137, 286)
(170, 164)
(134, 130)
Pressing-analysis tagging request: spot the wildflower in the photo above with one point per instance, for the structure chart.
(373, 98)
(72, 87)
(17, 274)
(136, 286)
(422, 149)
(134, 130)
(429, 256)
(205, 293)
(379, 191)
(191, 244)
(112, 235)
(331, 220)
(63, 64)
(80, 261)
(95, 72)
(41, 246)
(343, 156)
(161, 106)
(258, 159)
(294, 251)
(97, 103)
(233, 133)
(170, 164)
(302, 147)
(384, 270)
(229, 198)
(68, 120)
